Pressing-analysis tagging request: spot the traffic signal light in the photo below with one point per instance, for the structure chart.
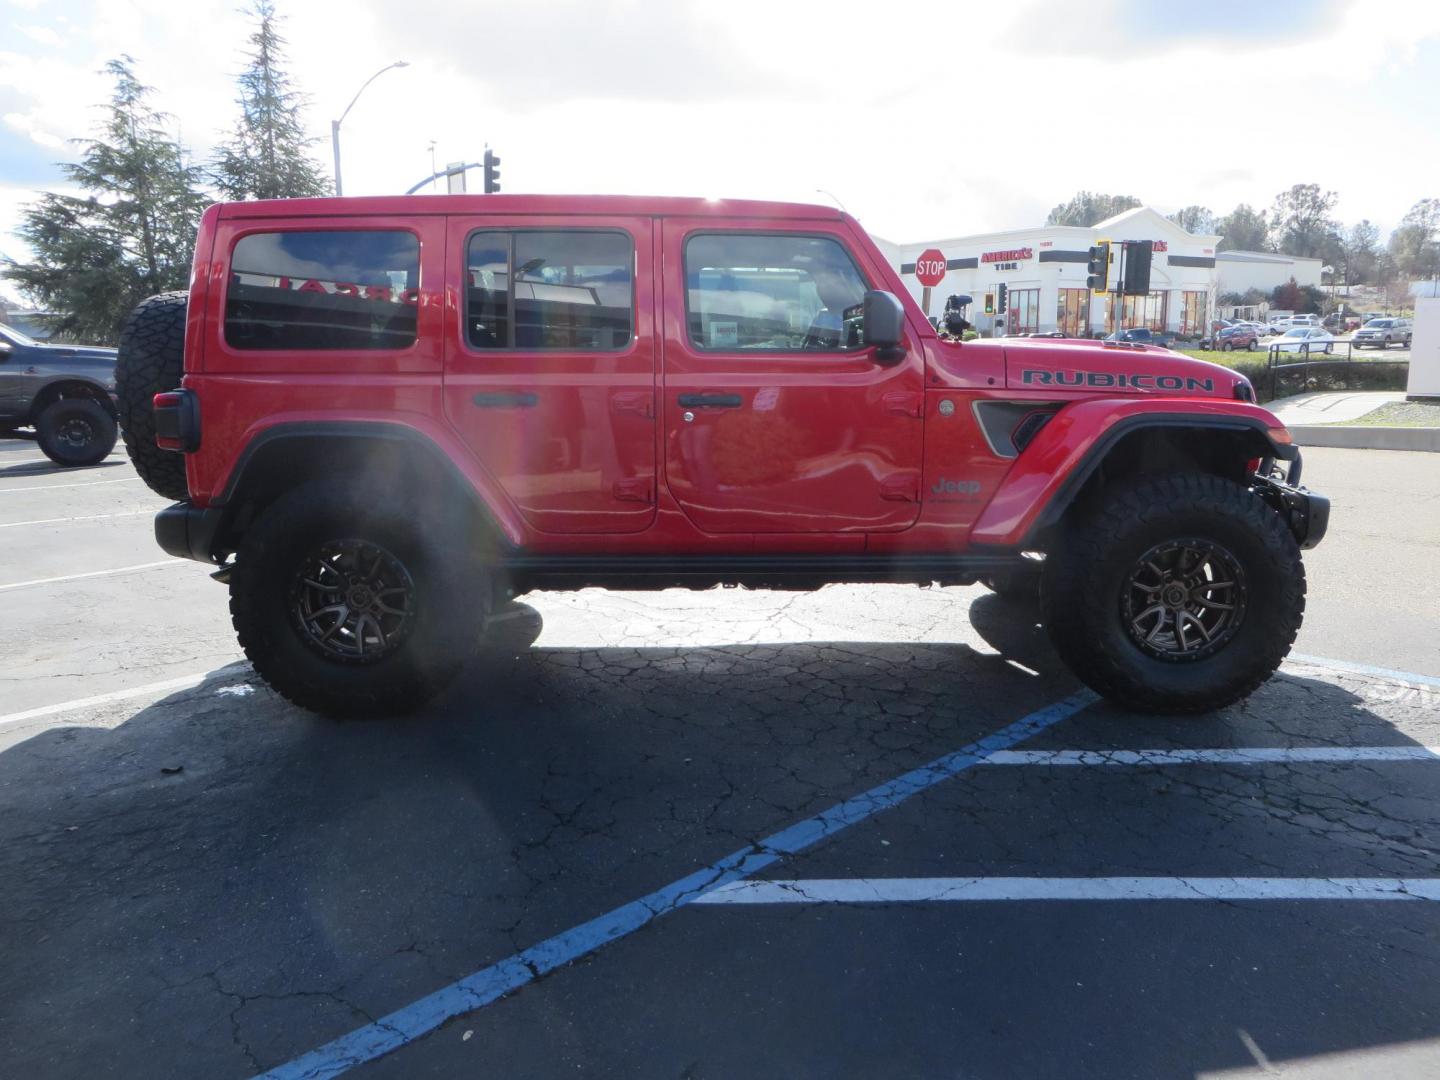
(989, 303)
(1137, 268)
(1097, 268)
(1002, 298)
(492, 172)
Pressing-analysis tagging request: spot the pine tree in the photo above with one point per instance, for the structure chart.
(268, 156)
(98, 256)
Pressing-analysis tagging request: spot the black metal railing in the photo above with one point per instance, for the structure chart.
(1331, 371)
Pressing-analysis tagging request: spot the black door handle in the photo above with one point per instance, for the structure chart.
(709, 401)
(506, 399)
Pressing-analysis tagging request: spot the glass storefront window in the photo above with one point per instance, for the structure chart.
(1192, 319)
(1072, 313)
(1144, 311)
(1024, 305)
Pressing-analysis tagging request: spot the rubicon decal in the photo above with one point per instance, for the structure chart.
(1136, 381)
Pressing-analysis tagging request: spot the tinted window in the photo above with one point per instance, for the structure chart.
(773, 293)
(323, 290)
(570, 291)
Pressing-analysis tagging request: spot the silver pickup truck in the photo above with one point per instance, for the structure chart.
(65, 392)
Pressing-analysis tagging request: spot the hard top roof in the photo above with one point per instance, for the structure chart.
(597, 205)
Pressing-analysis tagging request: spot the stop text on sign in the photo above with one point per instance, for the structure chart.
(930, 267)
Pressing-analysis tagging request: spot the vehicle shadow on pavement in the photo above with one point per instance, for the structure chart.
(41, 468)
(223, 881)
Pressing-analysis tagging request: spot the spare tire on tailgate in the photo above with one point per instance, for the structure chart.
(152, 360)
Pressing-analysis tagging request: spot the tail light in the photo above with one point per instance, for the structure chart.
(177, 421)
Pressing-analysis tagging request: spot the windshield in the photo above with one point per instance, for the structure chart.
(1381, 323)
(15, 336)
(1297, 333)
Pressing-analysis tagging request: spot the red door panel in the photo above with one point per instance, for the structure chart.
(568, 433)
(795, 442)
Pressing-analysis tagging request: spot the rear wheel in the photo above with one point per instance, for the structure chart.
(1175, 594)
(350, 605)
(151, 361)
(76, 431)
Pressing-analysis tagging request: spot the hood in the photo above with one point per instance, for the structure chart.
(1112, 368)
(79, 352)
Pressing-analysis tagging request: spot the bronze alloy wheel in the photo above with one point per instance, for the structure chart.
(352, 601)
(1183, 600)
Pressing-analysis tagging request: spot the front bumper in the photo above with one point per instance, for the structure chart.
(1306, 513)
(188, 532)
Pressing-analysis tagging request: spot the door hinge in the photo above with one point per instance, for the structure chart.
(636, 489)
(639, 402)
(902, 487)
(904, 403)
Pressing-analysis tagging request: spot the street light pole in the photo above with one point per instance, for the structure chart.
(335, 124)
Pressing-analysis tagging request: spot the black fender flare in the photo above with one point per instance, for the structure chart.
(1061, 501)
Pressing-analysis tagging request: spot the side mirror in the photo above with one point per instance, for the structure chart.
(885, 326)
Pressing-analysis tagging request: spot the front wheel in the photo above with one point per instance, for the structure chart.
(347, 604)
(76, 431)
(1175, 594)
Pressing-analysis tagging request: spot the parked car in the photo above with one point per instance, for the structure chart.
(605, 405)
(1145, 336)
(1239, 336)
(65, 392)
(1305, 339)
(1382, 333)
(1303, 320)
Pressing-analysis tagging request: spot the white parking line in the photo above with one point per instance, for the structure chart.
(1250, 755)
(67, 520)
(92, 574)
(57, 487)
(946, 890)
(184, 682)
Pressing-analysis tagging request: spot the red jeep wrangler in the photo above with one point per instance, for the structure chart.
(383, 415)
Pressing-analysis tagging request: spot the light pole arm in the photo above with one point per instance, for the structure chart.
(335, 124)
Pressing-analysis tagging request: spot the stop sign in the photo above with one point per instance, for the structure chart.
(930, 267)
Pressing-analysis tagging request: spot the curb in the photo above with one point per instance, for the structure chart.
(1369, 438)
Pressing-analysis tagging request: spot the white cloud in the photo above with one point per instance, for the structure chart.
(928, 120)
(43, 34)
(28, 127)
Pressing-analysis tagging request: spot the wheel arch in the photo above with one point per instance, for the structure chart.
(395, 460)
(69, 386)
(1220, 446)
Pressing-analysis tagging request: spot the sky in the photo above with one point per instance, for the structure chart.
(923, 119)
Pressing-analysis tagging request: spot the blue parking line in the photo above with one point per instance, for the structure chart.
(1365, 669)
(494, 982)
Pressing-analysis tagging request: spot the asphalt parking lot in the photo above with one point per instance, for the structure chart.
(866, 831)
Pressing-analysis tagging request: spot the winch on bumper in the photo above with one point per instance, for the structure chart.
(1307, 513)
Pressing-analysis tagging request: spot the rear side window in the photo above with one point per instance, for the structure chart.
(773, 293)
(323, 290)
(563, 290)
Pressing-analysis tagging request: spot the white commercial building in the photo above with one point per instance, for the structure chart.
(1044, 269)
(1239, 271)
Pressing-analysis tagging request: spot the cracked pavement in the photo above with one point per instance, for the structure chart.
(211, 883)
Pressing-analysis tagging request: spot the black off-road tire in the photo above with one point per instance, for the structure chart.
(151, 361)
(451, 600)
(1091, 565)
(76, 431)
(1016, 587)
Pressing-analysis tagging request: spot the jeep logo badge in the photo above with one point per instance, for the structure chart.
(955, 487)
